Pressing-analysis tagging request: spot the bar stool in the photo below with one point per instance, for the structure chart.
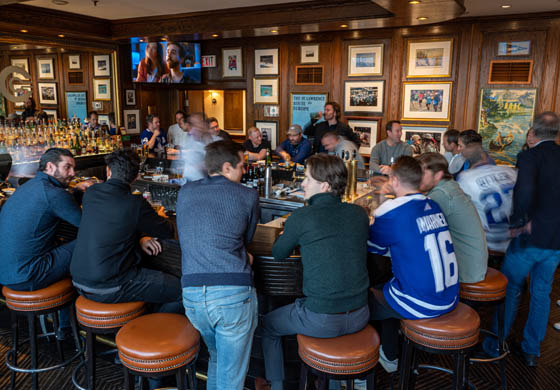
(453, 333)
(35, 303)
(101, 318)
(156, 345)
(491, 292)
(348, 357)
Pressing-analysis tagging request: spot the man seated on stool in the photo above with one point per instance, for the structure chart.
(386, 152)
(332, 237)
(104, 266)
(425, 281)
(335, 145)
(254, 145)
(215, 130)
(295, 148)
(469, 239)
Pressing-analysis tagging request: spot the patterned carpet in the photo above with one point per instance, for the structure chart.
(485, 377)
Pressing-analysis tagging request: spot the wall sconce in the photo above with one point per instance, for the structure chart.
(214, 100)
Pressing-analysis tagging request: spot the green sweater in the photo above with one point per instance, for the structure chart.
(332, 237)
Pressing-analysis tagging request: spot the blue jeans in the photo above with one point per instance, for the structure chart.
(226, 317)
(521, 260)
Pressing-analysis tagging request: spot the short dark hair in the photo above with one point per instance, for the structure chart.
(408, 171)
(336, 108)
(181, 49)
(124, 164)
(452, 136)
(389, 125)
(220, 152)
(212, 119)
(330, 169)
(546, 125)
(470, 137)
(435, 162)
(53, 155)
(330, 134)
(180, 112)
(89, 114)
(150, 118)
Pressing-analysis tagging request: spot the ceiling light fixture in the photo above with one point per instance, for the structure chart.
(422, 18)
(274, 31)
(506, 6)
(343, 25)
(215, 35)
(24, 31)
(412, 2)
(61, 35)
(59, 2)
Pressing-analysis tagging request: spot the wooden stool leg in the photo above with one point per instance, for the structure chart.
(74, 325)
(58, 342)
(349, 384)
(413, 368)
(14, 347)
(180, 378)
(128, 379)
(459, 371)
(501, 342)
(323, 382)
(33, 346)
(90, 359)
(191, 375)
(370, 380)
(303, 376)
(406, 364)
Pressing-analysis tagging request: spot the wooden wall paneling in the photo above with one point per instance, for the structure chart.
(284, 91)
(549, 99)
(462, 97)
(394, 80)
(337, 77)
(472, 90)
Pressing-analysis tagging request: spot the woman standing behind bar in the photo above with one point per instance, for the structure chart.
(151, 67)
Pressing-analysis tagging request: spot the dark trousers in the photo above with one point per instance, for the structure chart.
(389, 323)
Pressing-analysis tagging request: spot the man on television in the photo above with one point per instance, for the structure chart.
(175, 54)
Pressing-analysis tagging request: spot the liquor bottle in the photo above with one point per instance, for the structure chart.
(268, 157)
(77, 147)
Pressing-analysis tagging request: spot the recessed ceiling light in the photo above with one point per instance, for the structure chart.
(59, 2)
(343, 25)
(164, 39)
(506, 6)
(422, 18)
(273, 31)
(24, 31)
(215, 35)
(61, 35)
(414, 2)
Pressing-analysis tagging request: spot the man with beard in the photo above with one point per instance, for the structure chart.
(28, 223)
(174, 57)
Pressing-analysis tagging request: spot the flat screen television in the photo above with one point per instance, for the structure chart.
(165, 62)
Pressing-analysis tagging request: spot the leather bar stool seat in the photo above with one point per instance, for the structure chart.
(345, 357)
(57, 294)
(492, 288)
(158, 344)
(107, 315)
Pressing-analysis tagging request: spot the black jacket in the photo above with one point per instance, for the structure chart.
(536, 195)
(113, 220)
(318, 130)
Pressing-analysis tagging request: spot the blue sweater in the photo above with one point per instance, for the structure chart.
(216, 220)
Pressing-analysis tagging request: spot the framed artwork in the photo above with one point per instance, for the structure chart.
(424, 139)
(505, 115)
(102, 89)
(269, 131)
(45, 68)
(304, 106)
(272, 110)
(47, 93)
(132, 121)
(426, 101)
(516, 48)
(365, 60)
(2, 106)
(130, 97)
(74, 61)
(21, 63)
(363, 96)
(366, 128)
(20, 91)
(265, 91)
(266, 61)
(103, 119)
(97, 106)
(232, 62)
(52, 114)
(429, 58)
(101, 65)
(76, 105)
(309, 54)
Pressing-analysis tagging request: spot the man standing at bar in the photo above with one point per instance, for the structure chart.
(332, 237)
(386, 152)
(452, 155)
(216, 220)
(175, 134)
(535, 250)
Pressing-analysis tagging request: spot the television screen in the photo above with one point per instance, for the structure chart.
(165, 62)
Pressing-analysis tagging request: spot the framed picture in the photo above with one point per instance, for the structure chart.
(130, 97)
(426, 101)
(269, 131)
(103, 119)
(363, 96)
(45, 68)
(265, 91)
(97, 106)
(102, 89)
(516, 48)
(266, 61)
(365, 60)
(132, 121)
(232, 62)
(429, 58)
(21, 63)
(20, 91)
(505, 115)
(366, 128)
(74, 61)
(309, 54)
(76, 105)
(101, 65)
(272, 110)
(424, 139)
(52, 114)
(304, 106)
(47, 93)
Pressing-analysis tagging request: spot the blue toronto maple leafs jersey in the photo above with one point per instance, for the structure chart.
(425, 279)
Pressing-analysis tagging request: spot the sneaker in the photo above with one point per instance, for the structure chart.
(389, 365)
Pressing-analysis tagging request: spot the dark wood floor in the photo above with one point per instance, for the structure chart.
(485, 377)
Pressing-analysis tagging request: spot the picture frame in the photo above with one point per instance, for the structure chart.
(365, 60)
(305, 105)
(271, 110)
(309, 54)
(102, 89)
(418, 99)
(265, 91)
(436, 132)
(76, 105)
(20, 62)
(97, 106)
(21, 90)
(266, 61)
(364, 96)
(130, 97)
(132, 121)
(514, 48)
(52, 113)
(47, 93)
(45, 68)
(103, 119)
(102, 65)
(429, 58)
(232, 62)
(367, 128)
(74, 61)
(269, 131)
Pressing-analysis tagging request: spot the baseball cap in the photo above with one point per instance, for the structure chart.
(295, 129)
